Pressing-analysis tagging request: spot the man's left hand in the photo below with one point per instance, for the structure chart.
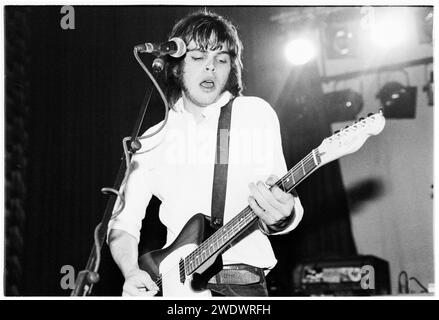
(273, 207)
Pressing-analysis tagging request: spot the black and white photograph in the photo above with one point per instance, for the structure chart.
(202, 152)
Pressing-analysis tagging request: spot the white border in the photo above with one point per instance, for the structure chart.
(217, 3)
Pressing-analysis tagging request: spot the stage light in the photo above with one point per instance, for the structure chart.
(398, 101)
(341, 40)
(343, 105)
(390, 29)
(300, 51)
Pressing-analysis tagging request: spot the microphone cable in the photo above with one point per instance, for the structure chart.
(128, 154)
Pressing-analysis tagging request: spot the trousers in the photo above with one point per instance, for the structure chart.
(239, 280)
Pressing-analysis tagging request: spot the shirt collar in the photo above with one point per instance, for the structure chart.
(222, 101)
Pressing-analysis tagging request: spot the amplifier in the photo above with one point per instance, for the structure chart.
(362, 275)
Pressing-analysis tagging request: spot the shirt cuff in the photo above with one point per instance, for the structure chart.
(119, 225)
(286, 226)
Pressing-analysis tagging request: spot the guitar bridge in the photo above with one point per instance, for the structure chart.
(182, 271)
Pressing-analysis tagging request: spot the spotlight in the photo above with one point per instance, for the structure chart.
(300, 51)
(343, 105)
(398, 101)
(392, 28)
(341, 41)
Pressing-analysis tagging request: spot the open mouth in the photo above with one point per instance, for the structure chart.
(207, 84)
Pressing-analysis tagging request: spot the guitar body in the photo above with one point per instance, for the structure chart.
(164, 263)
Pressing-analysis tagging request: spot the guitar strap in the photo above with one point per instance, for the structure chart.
(221, 166)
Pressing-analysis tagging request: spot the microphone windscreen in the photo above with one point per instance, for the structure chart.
(181, 47)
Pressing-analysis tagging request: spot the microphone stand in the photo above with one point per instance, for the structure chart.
(89, 276)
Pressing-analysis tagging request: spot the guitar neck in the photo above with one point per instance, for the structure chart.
(300, 171)
(219, 241)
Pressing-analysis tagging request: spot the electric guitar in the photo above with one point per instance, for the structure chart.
(183, 268)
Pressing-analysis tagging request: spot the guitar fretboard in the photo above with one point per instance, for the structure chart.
(218, 241)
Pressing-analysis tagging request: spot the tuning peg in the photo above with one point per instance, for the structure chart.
(361, 119)
(337, 131)
(370, 114)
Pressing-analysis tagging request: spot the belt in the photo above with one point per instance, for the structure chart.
(240, 274)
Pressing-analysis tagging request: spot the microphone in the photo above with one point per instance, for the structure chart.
(175, 47)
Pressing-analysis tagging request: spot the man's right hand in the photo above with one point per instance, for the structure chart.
(123, 247)
(139, 283)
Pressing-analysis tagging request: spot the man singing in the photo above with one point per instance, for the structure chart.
(177, 165)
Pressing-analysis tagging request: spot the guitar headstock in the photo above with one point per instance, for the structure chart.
(351, 138)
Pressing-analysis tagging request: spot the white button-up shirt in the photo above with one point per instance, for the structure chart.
(177, 166)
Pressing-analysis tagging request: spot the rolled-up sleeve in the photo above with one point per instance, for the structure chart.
(137, 194)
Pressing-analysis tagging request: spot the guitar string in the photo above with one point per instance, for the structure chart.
(243, 216)
(215, 241)
(161, 276)
(214, 238)
(220, 235)
(159, 281)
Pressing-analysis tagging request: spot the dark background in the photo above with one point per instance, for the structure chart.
(72, 95)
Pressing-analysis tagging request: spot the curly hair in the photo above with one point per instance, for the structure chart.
(209, 31)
